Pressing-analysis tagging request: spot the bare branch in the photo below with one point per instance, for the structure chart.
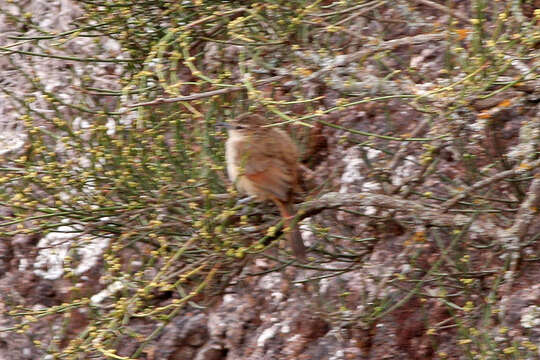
(511, 238)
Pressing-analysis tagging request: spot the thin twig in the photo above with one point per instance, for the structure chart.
(386, 45)
(444, 9)
(499, 176)
(401, 153)
(204, 94)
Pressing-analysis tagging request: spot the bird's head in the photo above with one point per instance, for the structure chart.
(246, 123)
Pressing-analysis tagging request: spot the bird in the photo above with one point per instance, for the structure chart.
(263, 162)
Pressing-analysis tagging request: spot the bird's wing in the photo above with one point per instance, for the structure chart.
(268, 172)
(276, 179)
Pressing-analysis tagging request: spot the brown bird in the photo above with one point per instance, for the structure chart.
(263, 162)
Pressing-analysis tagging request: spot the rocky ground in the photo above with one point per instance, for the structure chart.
(393, 277)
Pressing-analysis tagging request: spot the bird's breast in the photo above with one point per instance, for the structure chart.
(232, 155)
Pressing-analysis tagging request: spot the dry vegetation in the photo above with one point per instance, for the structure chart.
(121, 238)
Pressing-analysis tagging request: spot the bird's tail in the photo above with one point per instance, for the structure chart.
(293, 234)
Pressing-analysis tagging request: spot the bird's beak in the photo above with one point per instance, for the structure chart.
(225, 125)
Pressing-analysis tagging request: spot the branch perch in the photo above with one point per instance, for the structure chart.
(422, 213)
